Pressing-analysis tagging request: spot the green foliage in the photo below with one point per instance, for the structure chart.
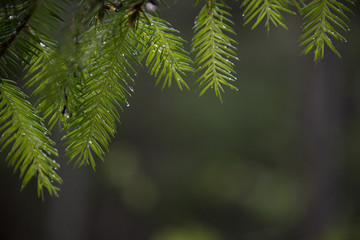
(322, 19)
(106, 85)
(48, 71)
(270, 10)
(83, 78)
(214, 48)
(31, 147)
(164, 51)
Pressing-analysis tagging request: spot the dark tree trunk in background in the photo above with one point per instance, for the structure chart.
(69, 214)
(322, 126)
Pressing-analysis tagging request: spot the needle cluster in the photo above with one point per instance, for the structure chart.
(83, 78)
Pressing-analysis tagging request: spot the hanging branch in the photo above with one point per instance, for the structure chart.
(214, 48)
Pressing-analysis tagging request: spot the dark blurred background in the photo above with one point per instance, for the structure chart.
(277, 160)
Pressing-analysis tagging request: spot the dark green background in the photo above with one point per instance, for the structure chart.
(278, 160)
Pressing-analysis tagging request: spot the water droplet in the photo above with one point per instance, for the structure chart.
(23, 134)
(11, 17)
(90, 142)
(127, 104)
(42, 44)
(150, 7)
(104, 42)
(67, 115)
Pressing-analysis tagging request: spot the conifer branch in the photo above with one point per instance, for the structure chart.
(270, 10)
(83, 85)
(323, 18)
(58, 79)
(105, 87)
(164, 51)
(31, 148)
(214, 48)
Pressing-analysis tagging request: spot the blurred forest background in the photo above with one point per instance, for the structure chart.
(277, 160)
